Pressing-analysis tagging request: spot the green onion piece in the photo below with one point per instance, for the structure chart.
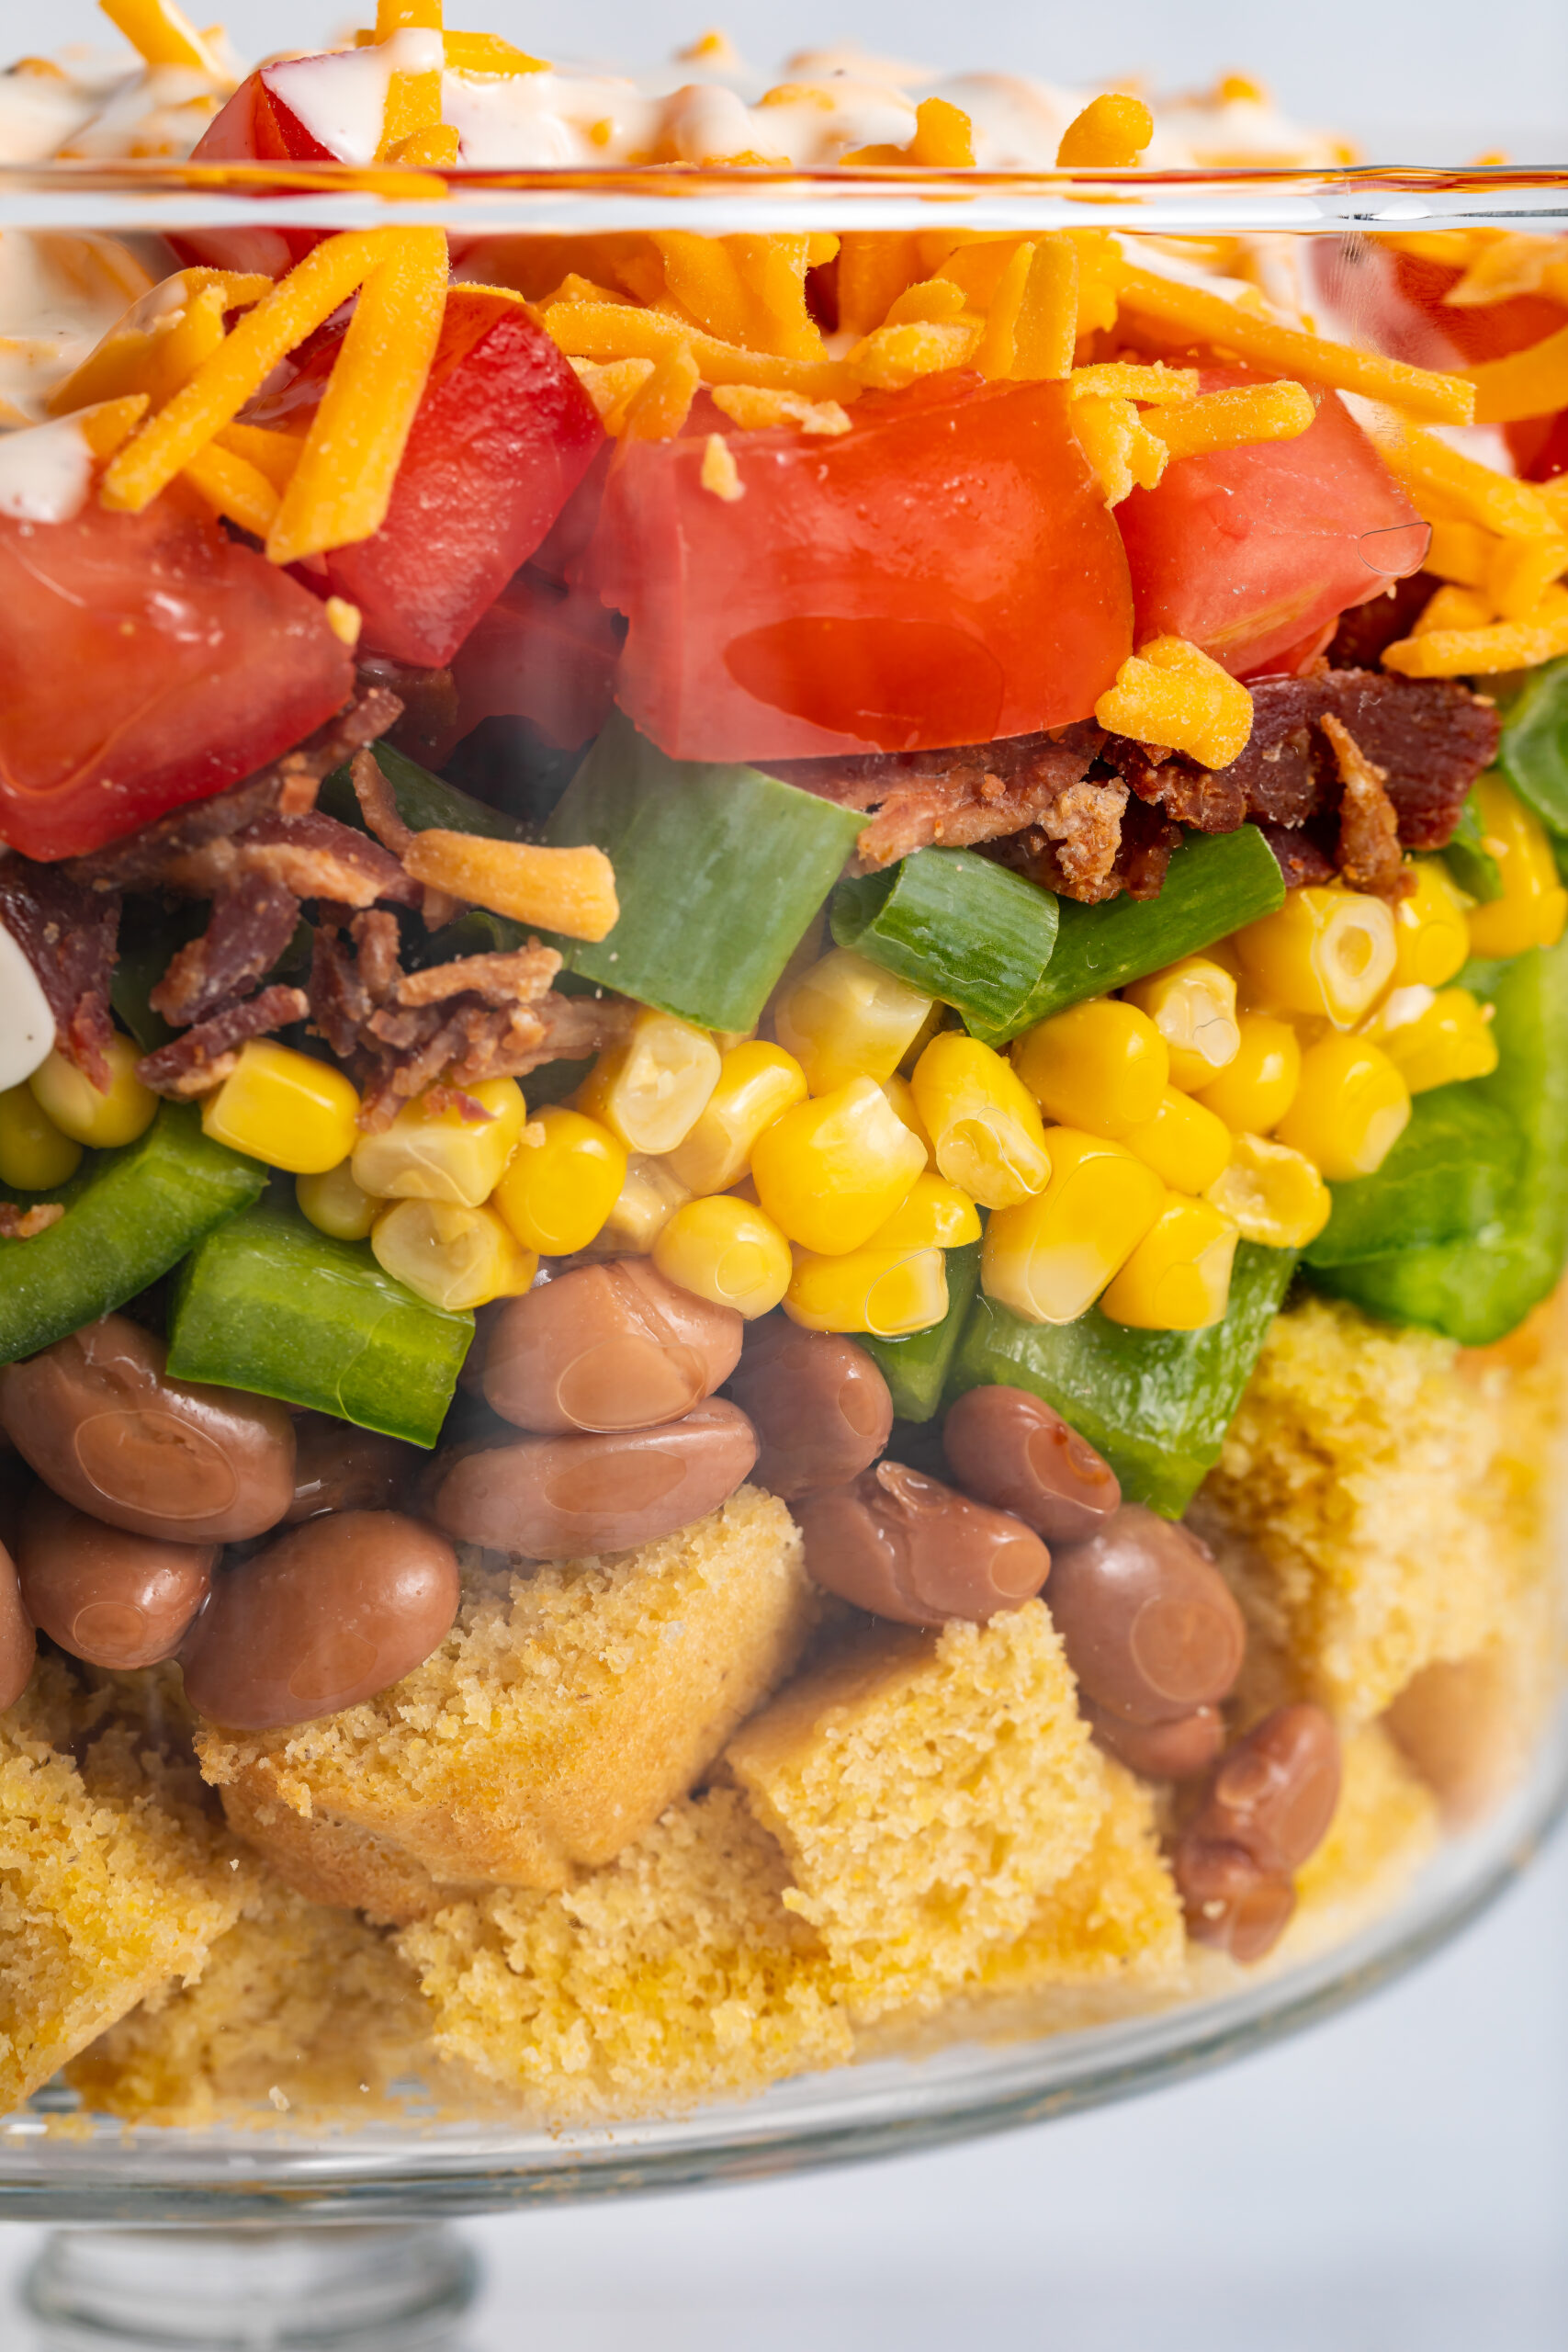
(954, 925)
(1216, 883)
(1469, 860)
(1157, 1404)
(1477, 1291)
(1533, 750)
(129, 1215)
(423, 800)
(1448, 1178)
(917, 1366)
(268, 1304)
(477, 932)
(719, 870)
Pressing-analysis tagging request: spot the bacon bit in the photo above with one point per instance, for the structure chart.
(959, 797)
(376, 806)
(452, 1097)
(340, 1003)
(1370, 857)
(25, 1225)
(518, 977)
(68, 934)
(313, 855)
(378, 939)
(1073, 846)
(247, 930)
(204, 1057)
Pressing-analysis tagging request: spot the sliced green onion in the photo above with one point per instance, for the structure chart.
(954, 925)
(1469, 860)
(916, 1367)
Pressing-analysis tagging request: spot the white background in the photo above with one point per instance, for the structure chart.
(1392, 2182)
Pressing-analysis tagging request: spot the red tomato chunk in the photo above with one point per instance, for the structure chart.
(944, 572)
(146, 660)
(257, 125)
(543, 653)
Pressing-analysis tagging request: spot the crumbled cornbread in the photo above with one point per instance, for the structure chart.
(568, 1707)
(1378, 1504)
(674, 1974)
(298, 2008)
(1385, 1823)
(927, 1789)
(113, 1879)
(328, 1861)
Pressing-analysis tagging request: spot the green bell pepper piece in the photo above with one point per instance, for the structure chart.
(1448, 1178)
(917, 1366)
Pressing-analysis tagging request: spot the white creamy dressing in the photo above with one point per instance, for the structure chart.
(342, 99)
(46, 471)
(26, 1024)
(60, 294)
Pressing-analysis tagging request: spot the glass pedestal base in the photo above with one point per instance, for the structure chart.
(336, 2290)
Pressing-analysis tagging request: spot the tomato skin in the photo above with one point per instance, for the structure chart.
(147, 660)
(503, 435)
(255, 126)
(944, 572)
(1247, 552)
(544, 653)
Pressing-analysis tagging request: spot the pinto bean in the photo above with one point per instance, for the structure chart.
(1150, 1628)
(608, 1347)
(1173, 1751)
(820, 1407)
(1012, 1449)
(340, 1467)
(1267, 1808)
(907, 1547)
(112, 1597)
(17, 1647)
(100, 1420)
(557, 1497)
(1230, 1903)
(322, 1618)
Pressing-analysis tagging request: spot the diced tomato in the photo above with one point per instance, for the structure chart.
(1540, 446)
(944, 572)
(146, 660)
(257, 126)
(503, 435)
(543, 653)
(1248, 553)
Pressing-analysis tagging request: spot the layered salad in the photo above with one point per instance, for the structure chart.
(783, 1075)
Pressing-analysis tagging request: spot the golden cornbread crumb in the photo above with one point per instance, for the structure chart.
(1386, 1824)
(1380, 1504)
(1467, 1724)
(568, 1707)
(298, 2009)
(328, 1861)
(927, 1789)
(113, 1877)
(674, 1974)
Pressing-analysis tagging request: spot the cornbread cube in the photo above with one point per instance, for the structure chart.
(674, 1974)
(113, 1878)
(927, 1790)
(1467, 1724)
(568, 1707)
(328, 1861)
(296, 2009)
(1385, 1824)
(1383, 1501)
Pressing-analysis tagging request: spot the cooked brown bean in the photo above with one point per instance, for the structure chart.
(1268, 1807)
(327, 1615)
(17, 1647)
(1150, 1628)
(1013, 1451)
(607, 1347)
(102, 1423)
(340, 1467)
(106, 1595)
(820, 1407)
(1229, 1902)
(1173, 1751)
(906, 1546)
(556, 1497)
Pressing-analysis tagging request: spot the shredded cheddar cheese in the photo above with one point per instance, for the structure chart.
(1454, 607)
(660, 407)
(105, 427)
(1533, 382)
(1119, 446)
(343, 619)
(1483, 651)
(755, 409)
(272, 454)
(235, 487)
(1168, 693)
(622, 331)
(165, 35)
(1122, 379)
(1233, 418)
(720, 474)
(1474, 493)
(568, 890)
(890, 357)
(1109, 135)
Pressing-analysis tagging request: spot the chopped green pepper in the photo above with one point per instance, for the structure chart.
(1448, 1178)
(954, 925)
(129, 1215)
(1469, 860)
(916, 1367)
(1533, 750)
(268, 1304)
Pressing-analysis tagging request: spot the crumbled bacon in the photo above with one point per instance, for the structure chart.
(1368, 855)
(311, 855)
(975, 793)
(204, 1055)
(377, 805)
(247, 930)
(23, 1225)
(67, 933)
(1366, 631)
(1073, 847)
(1301, 857)
(519, 977)
(376, 937)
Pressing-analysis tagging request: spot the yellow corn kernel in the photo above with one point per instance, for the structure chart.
(886, 1293)
(833, 1170)
(901, 1094)
(35, 1155)
(1327, 951)
(79, 1111)
(454, 1257)
(939, 1017)
(1101, 1066)
(726, 1251)
(1049, 1257)
(986, 1131)
(933, 1215)
(285, 1108)
(847, 1018)
(334, 1204)
(1178, 1277)
(1185, 1142)
(652, 1086)
(1433, 1040)
(443, 1154)
(757, 1082)
(1351, 1108)
(1254, 1093)
(1430, 938)
(649, 1196)
(563, 1180)
(1192, 1004)
(1534, 906)
(1272, 1195)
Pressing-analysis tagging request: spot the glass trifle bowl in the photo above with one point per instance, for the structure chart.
(785, 1074)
